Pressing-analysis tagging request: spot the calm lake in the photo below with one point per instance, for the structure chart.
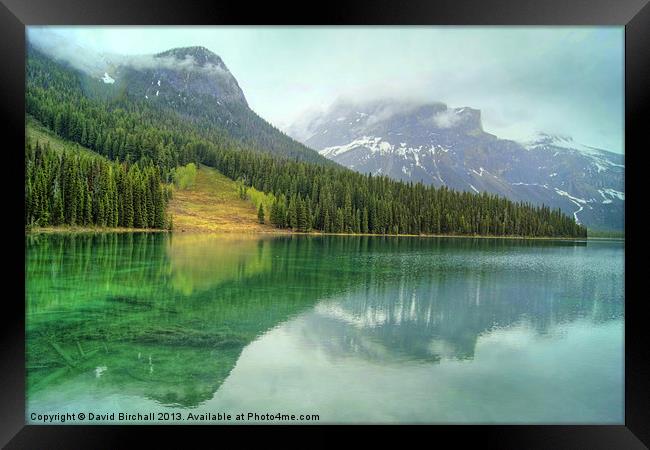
(353, 329)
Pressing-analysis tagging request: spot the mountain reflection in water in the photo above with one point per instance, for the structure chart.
(153, 317)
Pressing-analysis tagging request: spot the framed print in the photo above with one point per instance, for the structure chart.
(386, 214)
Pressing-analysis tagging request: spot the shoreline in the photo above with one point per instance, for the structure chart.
(70, 229)
(75, 229)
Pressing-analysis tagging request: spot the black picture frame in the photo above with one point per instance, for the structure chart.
(633, 14)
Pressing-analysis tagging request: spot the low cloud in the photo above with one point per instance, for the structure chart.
(386, 109)
(152, 62)
(64, 50)
(448, 118)
(96, 64)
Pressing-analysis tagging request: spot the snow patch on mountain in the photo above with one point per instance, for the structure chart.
(107, 79)
(569, 196)
(417, 160)
(372, 143)
(609, 194)
(545, 186)
(599, 158)
(555, 140)
(578, 201)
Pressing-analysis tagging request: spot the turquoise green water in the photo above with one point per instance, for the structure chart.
(352, 329)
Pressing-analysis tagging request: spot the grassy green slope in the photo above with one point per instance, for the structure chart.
(36, 132)
(213, 204)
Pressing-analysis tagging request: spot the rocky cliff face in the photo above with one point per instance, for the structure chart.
(184, 76)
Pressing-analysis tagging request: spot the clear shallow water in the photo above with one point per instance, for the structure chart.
(354, 329)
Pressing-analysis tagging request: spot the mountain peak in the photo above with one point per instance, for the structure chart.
(201, 55)
(543, 139)
(434, 113)
(548, 138)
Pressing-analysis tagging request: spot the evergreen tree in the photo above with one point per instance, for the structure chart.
(301, 216)
(260, 214)
(275, 214)
(88, 210)
(364, 221)
(340, 221)
(292, 213)
(59, 216)
(327, 226)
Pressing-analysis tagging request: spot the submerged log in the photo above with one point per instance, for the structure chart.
(63, 355)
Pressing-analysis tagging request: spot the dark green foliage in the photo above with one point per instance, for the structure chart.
(301, 216)
(70, 188)
(260, 214)
(278, 212)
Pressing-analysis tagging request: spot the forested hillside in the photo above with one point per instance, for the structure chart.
(319, 196)
(68, 187)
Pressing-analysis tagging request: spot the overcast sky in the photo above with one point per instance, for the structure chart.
(565, 80)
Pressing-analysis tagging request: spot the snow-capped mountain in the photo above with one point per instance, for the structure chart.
(446, 146)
